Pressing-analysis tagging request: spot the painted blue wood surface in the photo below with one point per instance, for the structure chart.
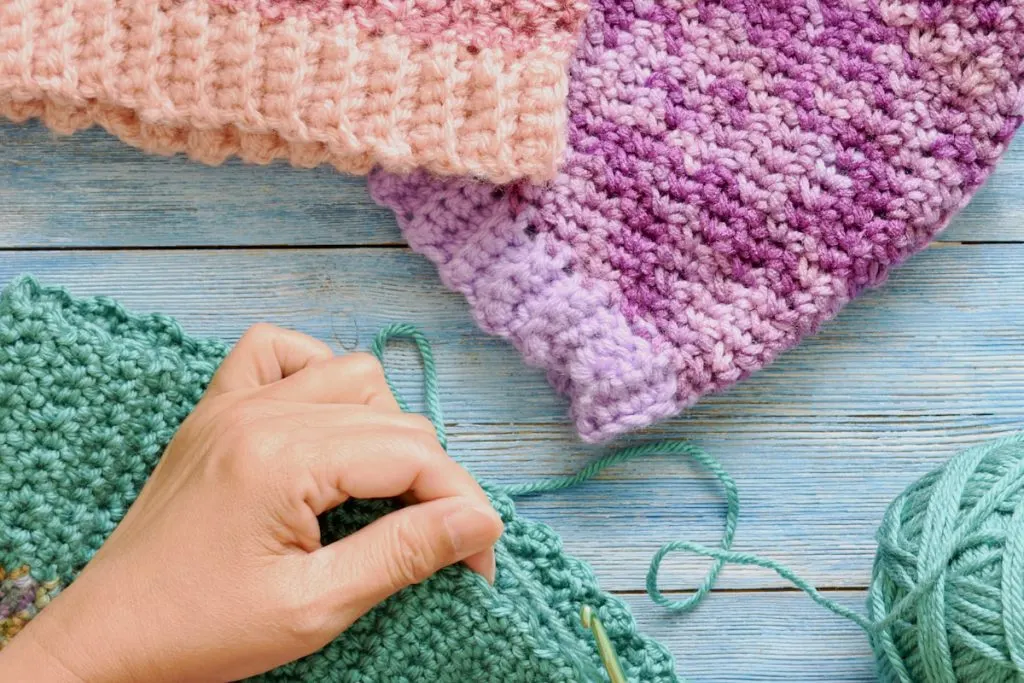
(819, 443)
(86, 190)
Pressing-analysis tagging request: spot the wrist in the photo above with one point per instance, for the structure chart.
(26, 659)
(75, 639)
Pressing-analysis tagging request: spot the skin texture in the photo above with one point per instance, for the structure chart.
(217, 571)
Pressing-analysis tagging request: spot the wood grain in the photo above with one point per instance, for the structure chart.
(819, 443)
(89, 190)
(761, 638)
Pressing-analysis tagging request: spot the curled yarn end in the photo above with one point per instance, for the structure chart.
(720, 555)
(946, 594)
(431, 391)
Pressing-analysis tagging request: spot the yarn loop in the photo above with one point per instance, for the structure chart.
(946, 601)
(434, 412)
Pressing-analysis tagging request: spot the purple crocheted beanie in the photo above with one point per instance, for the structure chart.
(737, 172)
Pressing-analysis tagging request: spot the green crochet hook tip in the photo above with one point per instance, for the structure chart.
(604, 645)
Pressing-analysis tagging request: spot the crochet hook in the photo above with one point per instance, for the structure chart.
(604, 645)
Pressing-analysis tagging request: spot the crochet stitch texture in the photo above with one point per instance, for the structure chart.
(474, 88)
(89, 397)
(737, 172)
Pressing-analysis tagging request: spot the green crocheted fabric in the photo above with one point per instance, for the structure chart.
(89, 397)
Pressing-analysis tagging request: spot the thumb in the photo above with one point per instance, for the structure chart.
(403, 548)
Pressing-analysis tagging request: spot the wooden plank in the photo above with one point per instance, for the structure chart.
(819, 443)
(812, 495)
(89, 190)
(942, 337)
(761, 637)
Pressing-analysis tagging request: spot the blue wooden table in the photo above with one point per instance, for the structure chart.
(819, 443)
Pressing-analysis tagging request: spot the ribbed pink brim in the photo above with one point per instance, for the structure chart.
(264, 82)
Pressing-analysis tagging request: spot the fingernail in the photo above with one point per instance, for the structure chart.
(470, 528)
(492, 569)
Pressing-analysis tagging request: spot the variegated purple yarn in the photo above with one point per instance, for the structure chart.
(737, 172)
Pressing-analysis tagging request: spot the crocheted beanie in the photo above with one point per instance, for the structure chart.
(89, 397)
(737, 171)
(471, 87)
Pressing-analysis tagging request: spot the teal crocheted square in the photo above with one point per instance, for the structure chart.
(90, 395)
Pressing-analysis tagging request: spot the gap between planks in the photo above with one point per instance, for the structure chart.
(339, 247)
(675, 592)
(208, 247)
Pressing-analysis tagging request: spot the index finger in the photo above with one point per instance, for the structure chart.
(384, 455)
(354, 451)
(266, 354)
(355, 378)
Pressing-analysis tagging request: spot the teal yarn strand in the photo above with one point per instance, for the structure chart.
(723, 557)
(432, 402)
(946, 599)
(431, 390)
(732, 511)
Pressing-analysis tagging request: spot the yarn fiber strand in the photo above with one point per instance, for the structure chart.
(434, 413)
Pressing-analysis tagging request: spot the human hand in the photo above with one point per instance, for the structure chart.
(217, 571)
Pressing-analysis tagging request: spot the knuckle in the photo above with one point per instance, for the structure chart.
(412, 557)
(365, 366)
(309, 623)
(420, 423)
(245, 444)
(261, 331)
(422, 448)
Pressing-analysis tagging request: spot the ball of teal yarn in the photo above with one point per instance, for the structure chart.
(947, 594)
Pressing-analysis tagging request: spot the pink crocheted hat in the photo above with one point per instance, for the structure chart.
(737, 172)
(469, 87)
